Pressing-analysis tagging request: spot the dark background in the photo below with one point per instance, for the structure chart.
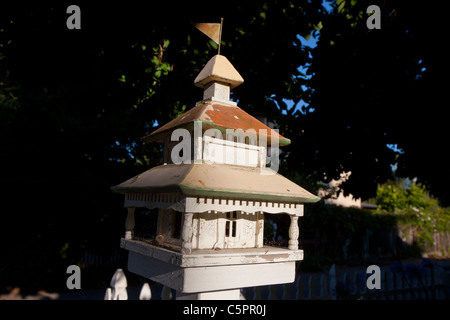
(74, 104)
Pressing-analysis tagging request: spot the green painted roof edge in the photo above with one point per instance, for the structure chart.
(238, 194)
(256, 196)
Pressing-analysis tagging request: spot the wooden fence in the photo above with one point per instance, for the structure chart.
(118, 290)
(428, 281)
(416, 282)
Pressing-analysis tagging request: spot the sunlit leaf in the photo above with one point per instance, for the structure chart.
(166, 43)
(318, 26)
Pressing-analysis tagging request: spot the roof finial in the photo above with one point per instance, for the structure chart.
(217, 78)
(220, 34)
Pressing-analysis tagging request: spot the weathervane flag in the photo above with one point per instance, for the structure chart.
(212, 30)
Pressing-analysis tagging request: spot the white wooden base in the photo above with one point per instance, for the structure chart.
(207, 257)
(211, 278)
(213, 295)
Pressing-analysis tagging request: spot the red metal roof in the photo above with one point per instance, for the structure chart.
(218, 116)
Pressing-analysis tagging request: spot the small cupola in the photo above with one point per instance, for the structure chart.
(217, 78)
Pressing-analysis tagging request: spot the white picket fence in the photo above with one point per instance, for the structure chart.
(118, 289)
(430, 284)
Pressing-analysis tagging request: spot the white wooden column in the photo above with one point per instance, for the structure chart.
(259, 232)
(234, 294)
(293, 233)
(129, 224)
(187, 233)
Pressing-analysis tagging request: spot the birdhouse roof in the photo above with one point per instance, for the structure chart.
(218, 116)
(218, 69)
(218, 180)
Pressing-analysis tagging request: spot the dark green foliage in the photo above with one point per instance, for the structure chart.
(401, 227)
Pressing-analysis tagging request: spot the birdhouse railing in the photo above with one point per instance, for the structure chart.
(187, 234)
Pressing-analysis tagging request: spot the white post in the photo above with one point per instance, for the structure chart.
(233, 294)
(186, 233)
(293, 233)
(129, 224)
(259, 234)
(166, 293)
(119, 287)
(146, 293)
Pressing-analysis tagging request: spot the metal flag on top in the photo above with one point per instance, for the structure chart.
(212, 30)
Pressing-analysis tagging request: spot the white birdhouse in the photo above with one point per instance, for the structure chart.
(212, 193)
